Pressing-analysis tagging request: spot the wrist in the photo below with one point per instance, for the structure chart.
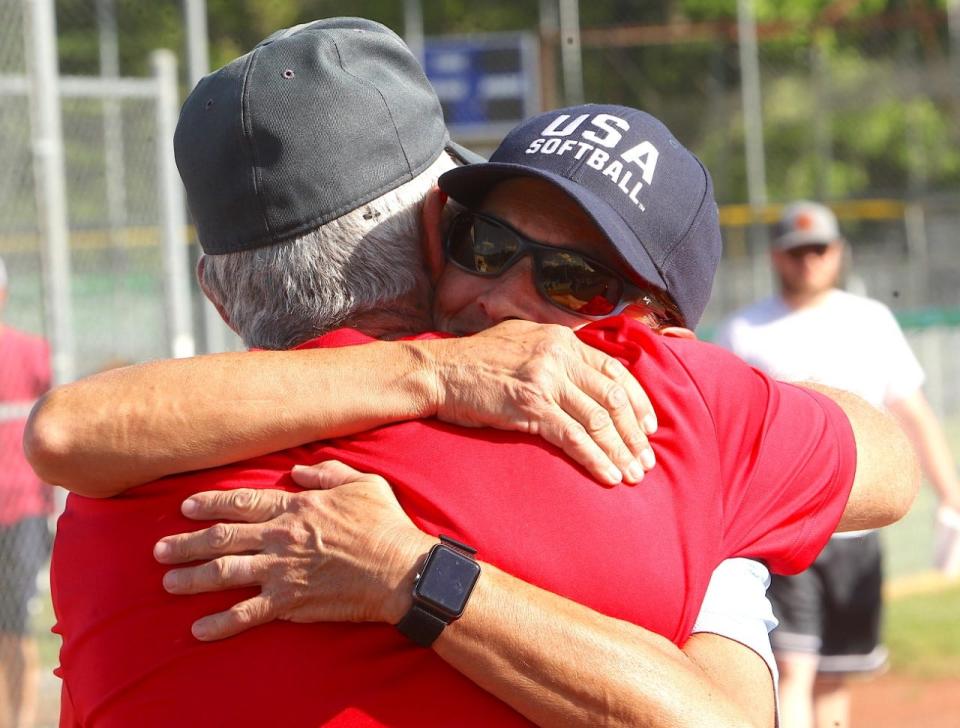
(424, 375)
(409, 553)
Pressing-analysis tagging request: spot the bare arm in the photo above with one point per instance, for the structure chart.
(104, 434)
(558, 662)
(887, 477)
(926, 434)
(555, 661)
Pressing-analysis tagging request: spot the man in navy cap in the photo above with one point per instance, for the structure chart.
(589, 544)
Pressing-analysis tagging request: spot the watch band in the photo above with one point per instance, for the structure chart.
(458, 545)
(421, 626)
(424, 622)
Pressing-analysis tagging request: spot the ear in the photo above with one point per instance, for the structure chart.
(432, 240)
(678, 332)
(639, 313)
(201, 264)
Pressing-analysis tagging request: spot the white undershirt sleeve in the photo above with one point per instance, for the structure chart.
(736, 607)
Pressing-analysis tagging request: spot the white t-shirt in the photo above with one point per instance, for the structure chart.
(848, 342)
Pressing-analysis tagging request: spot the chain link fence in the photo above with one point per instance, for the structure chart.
(23, 546)
(127, 294)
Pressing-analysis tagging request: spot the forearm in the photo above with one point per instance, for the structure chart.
(930, 442)
(887, 476)
(557, 662)
(560, 663)
(128, 426)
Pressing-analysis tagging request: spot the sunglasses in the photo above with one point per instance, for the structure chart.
(484, 245)
(802, 251)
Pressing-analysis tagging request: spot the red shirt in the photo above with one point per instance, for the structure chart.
(746, 467)
(24, 376)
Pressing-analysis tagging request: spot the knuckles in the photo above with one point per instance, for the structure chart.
(598, 421)
(220, 536)
(220, 571)
(243, 614)
(616, 396)
(636, 442)
(243, 500)
(572, 434)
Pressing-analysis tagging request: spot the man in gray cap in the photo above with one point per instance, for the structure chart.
(813, 331)
(661, 685)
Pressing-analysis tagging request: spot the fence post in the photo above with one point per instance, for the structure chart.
(113, 146)
(413, 27)
(822, 116)
(752, 119)
(570, 54)
(174, 223)
(47, 139)
(215, 331)
(953, 23)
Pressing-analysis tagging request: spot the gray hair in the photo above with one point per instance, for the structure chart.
(281, 295)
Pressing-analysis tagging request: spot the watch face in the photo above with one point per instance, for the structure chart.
(448, 578)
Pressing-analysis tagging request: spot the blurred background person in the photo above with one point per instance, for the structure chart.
(25, 505)
(813, 331)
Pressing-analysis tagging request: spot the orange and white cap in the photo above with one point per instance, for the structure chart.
(806, 223)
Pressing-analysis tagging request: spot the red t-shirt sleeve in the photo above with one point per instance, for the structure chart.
(787, 455)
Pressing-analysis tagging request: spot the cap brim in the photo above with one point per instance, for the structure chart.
(798, 238)
(470, 185)
(467, 156)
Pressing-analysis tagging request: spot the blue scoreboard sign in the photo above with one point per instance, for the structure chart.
(487, 83)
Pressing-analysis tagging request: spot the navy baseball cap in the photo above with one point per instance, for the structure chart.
(652, 198)
(314, 122)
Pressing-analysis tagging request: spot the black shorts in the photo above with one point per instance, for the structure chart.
(24, 548)
(833, 609)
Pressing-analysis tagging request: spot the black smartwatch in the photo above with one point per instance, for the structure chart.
(440, 591)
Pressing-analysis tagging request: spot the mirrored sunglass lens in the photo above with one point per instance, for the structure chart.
(573, 283)
(479, 246)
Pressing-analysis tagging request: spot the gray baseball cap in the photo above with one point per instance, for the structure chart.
(806, 223)
(314, 122)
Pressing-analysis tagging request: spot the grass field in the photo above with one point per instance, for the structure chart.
(923, 634)
(922, 687)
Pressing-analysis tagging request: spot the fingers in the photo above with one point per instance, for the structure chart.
(609, 418)
(597, 426)
(239, 618)
(226, 572)
(325, 475)
(243, 504)
(218, 540)
(606, 399)
(618, 373)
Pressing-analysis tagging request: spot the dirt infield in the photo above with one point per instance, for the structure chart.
(895, 701)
